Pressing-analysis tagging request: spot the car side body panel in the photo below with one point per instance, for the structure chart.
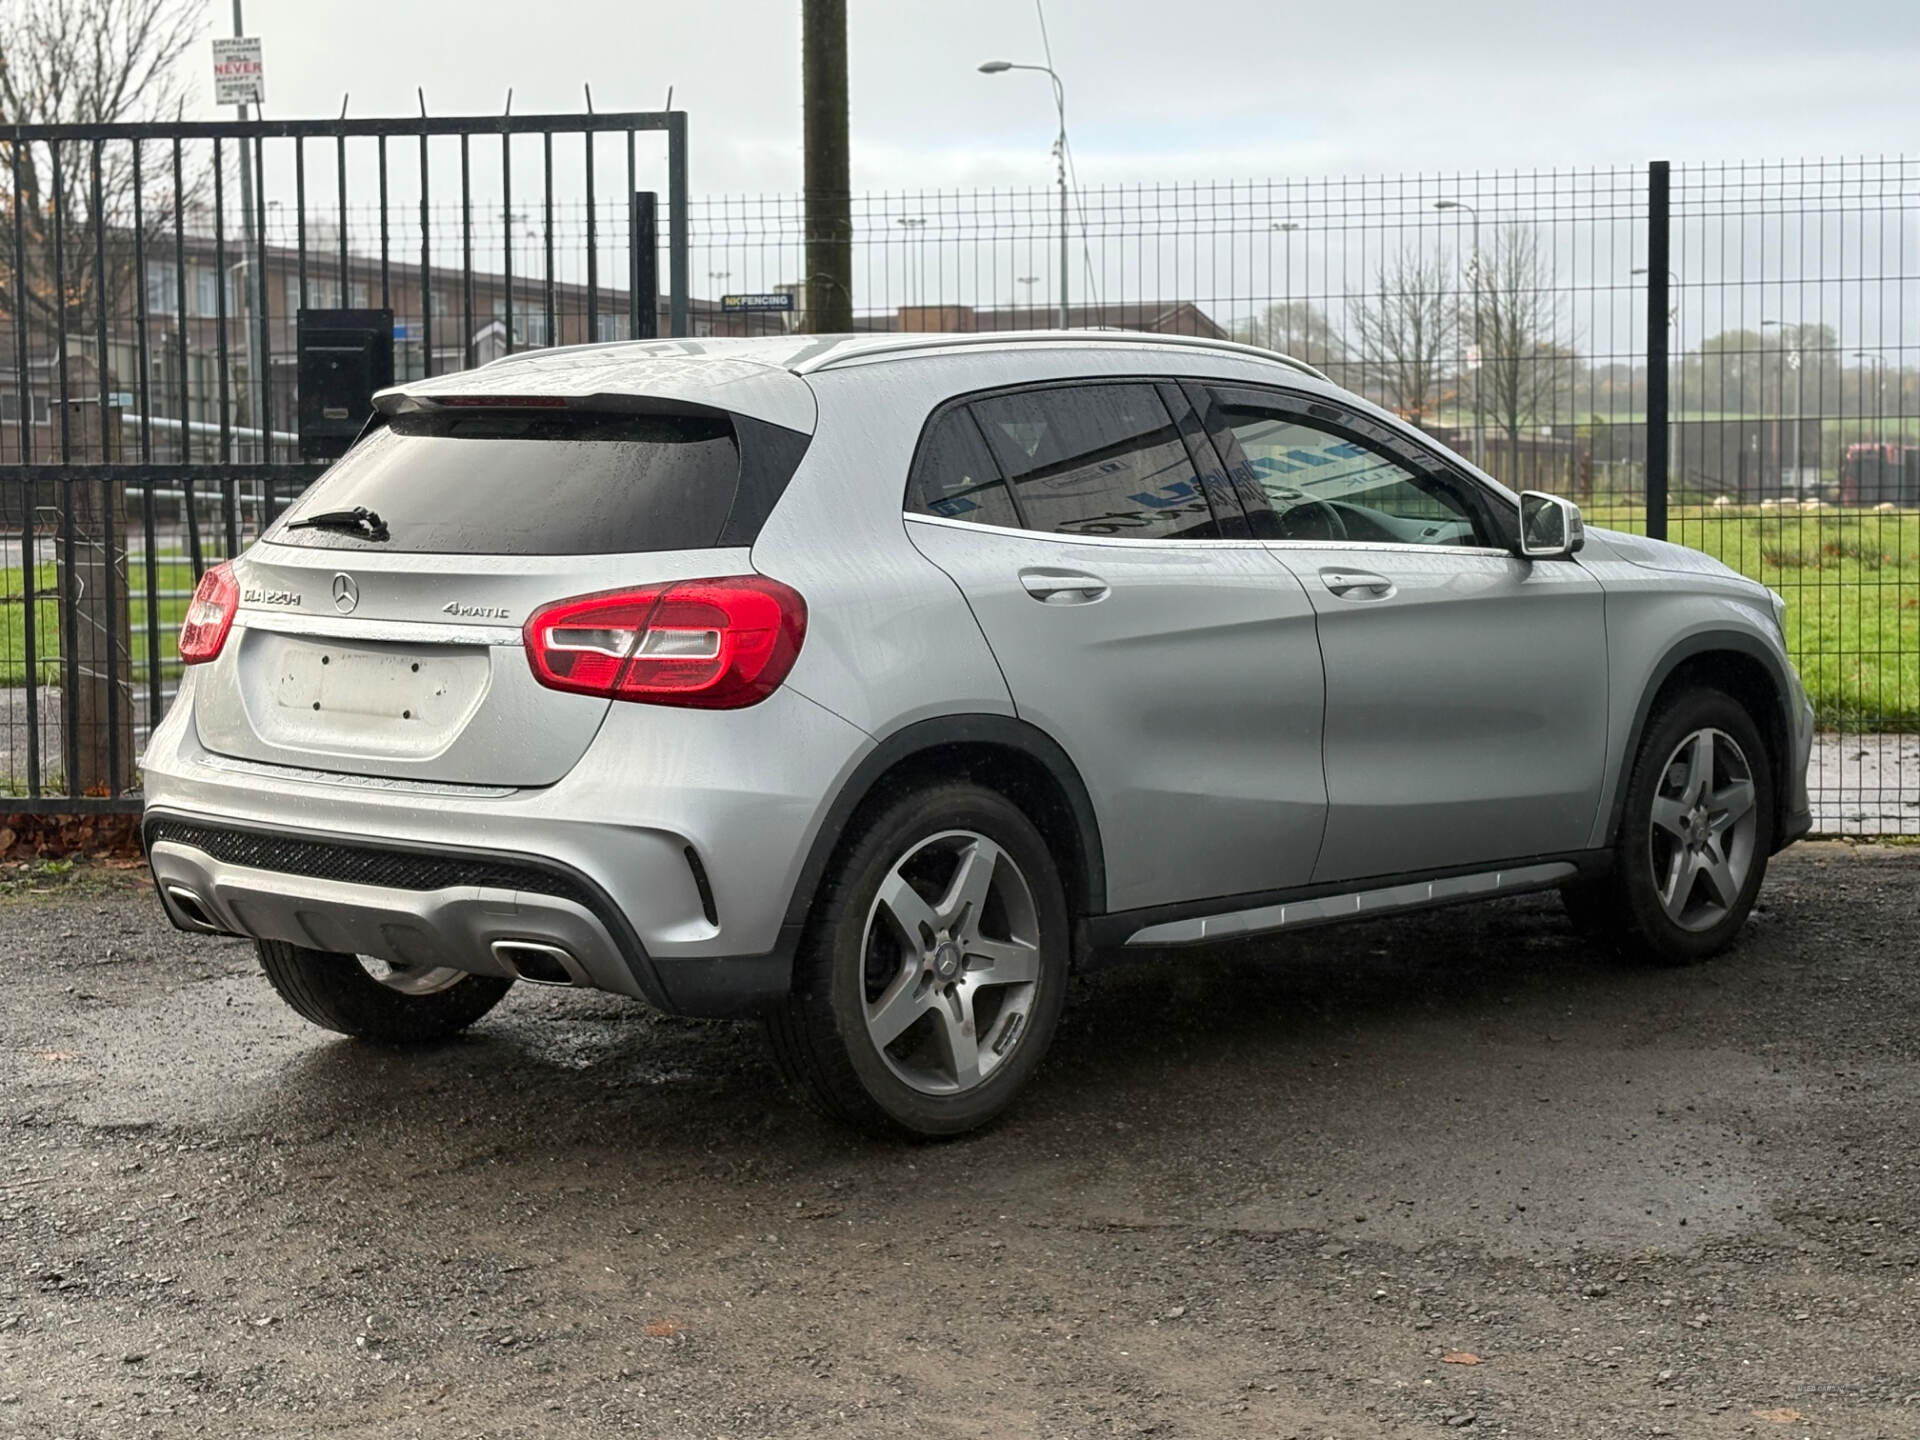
(1655, 624)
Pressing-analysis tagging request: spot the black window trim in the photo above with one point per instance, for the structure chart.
(1188, 422)
(1490, 511)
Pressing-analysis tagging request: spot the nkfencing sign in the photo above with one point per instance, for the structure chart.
(734, 304)
(238, 78)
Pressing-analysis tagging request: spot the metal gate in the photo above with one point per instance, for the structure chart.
(151, 283)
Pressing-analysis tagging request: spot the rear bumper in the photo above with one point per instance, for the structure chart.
(481, 928)
(599, 867)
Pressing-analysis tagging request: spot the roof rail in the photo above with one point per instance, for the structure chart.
(932, 341)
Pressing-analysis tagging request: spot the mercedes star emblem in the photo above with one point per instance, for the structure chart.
(346, 594)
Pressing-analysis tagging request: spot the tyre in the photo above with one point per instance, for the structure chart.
(1695, 832)
(934, 967)
(369, 1000)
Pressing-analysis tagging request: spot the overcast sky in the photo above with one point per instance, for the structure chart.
(1203, 89)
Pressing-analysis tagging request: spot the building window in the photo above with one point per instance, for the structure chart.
(163, 295)
(358, 295)
(442, 303)
(611, 327)
(206, 291)
(532, 328)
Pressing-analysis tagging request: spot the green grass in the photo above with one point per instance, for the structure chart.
(1851, 580)
(175, 575)
(1852, 585)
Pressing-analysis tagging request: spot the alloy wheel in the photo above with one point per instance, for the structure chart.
(412, 979)
(950, 962)
(1702, 831)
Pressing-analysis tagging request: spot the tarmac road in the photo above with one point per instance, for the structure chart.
(1275, 1193)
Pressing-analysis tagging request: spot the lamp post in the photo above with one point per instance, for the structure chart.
(1799, 402)
(1479, 429)
(1879, 420)
(999, 67)
(913, 225)
(1286, 228)
(1673, 310)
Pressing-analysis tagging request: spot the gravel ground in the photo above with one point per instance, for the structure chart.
(1288, 1193)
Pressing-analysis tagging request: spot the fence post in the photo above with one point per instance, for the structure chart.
(97, 693)
(1659, 218)
(644, 282)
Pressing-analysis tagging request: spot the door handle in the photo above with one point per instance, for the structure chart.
(1064, 587)
(1357, 584)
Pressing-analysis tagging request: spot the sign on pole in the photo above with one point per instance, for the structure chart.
(238, 77)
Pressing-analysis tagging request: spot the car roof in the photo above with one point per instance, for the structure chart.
(762, 375)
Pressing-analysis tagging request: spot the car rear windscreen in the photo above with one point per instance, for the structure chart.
(531, 483)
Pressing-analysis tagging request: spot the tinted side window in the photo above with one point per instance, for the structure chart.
(954, 476)
(1324, 485)
(1097, 460)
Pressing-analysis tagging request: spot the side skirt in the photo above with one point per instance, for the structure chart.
(1238, 917)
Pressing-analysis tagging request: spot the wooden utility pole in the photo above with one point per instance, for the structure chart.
(829, 199)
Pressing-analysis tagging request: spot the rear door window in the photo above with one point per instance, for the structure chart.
(955, 478)
(1103, 460)
(532, 483)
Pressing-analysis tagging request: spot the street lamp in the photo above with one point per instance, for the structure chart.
(1879, 416)
(912, 224)
(1799, 401)
(1479, 429)
(1000, 67)
(1673, 311)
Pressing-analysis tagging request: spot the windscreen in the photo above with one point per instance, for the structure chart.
(530, 483)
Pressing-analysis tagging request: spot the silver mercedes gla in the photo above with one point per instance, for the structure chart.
(872, 685)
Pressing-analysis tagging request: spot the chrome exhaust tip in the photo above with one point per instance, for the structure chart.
(192, 909)
(538, 963)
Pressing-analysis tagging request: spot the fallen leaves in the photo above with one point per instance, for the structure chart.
(37, 837)
(660, 1329)
(1781, 1416)
(1461, 1357)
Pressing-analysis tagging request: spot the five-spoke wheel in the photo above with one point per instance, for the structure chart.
(1702, 827)
(1695, 831)
(933, 969)
(952, 956)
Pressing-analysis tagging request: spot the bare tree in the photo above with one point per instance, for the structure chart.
(82, 62)
(1405, 331)
(1298, 328)
(1514, 315)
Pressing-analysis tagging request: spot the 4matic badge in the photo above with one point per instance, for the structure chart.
(463, 611)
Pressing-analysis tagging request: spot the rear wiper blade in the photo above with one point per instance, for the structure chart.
(357, 521)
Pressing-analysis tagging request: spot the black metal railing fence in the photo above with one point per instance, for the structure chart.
(1723, 354)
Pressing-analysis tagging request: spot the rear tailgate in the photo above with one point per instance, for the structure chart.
(402, 657)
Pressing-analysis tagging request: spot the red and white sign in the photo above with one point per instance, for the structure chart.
(238, 76)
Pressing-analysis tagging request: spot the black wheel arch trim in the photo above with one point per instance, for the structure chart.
(924, 735)
(1707, 642)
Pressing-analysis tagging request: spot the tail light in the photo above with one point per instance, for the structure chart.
(209, 615)
(712, 644)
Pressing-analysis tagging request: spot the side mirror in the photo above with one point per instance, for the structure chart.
(1550, 528)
